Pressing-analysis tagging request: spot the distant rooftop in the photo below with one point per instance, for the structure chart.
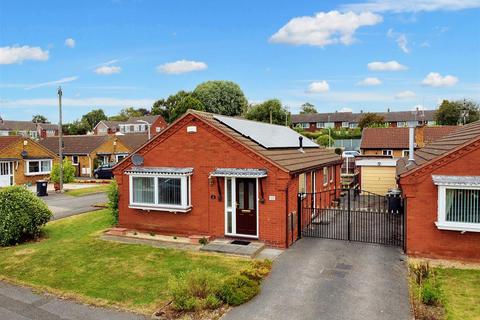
(391, 116)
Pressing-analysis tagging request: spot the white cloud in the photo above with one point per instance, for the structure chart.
(425, 44)
(403, 43)
(78, 102)
(407, 94)
(411, 5)
(369, 81)
(345, 109)
(70, 42)
(182, 66)
(386, 66)
(106, 70)
(324, 28)
(52, 83)
(16, 54)
(318, 87)
(435, 79)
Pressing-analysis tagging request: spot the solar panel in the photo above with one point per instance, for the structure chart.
(267, 135)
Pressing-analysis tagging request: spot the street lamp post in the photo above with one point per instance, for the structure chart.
(148, 126)
(60, 140)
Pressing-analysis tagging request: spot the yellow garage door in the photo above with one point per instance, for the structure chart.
(378, 179)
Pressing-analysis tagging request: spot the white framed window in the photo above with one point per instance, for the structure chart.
(320, 125)
(157, 129)
(353, 125)
(75, 160)
(38, 167)
(345, 124)
(405, 153)
(401, 124)
(120, 157)
(162, 192)
(303, 125)
(330, 125)
(458, 204)
(387, 152)
(325, 176)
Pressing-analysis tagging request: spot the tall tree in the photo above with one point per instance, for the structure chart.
(307, 107)
(222, 97)
(369, 119)
(456, 112)
(77, 127)
(263, 111)
(92, 118)
(38, 118)
(171, 108)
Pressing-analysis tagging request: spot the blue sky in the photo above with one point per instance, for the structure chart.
(369, 55)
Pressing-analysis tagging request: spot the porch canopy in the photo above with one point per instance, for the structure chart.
(160, 171)
(239, 173)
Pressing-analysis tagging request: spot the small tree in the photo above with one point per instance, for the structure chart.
(92, 118)
(308, 108)
(113, 195)
(176, 105)
(261, 112)
(455, 112)
(369, 119)
(68, 172)
(38, 118)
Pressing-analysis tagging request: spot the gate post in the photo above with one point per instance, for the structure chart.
(348, 206)
(299, 216)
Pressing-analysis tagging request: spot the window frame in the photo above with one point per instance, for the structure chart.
(405, 153)
(442, 223)
(389, 152)
(77, 162)
(320, 125)
(123, 155)
(40, 172)
(325, 176)
(185, 193)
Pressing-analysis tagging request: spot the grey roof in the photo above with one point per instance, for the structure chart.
(392, 116)
(265, 134)
(237, 172)
(48, 126)
(160, 170)
(456, 180)
(18, 125)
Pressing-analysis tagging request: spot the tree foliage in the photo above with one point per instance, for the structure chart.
(221, 97)
(77, 127)
(456, 112)
(369, 119)
(38, 118)
(68, 172)
(176, 105)
(92, 118)
(261, 112)
(129, 112)
(308, 108)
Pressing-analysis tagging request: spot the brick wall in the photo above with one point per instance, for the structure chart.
(423, 237)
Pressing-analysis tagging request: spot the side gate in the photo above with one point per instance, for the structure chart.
(352, 215)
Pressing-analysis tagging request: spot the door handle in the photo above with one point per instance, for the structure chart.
(247, 211)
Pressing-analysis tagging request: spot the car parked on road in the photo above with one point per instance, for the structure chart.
(104, 171)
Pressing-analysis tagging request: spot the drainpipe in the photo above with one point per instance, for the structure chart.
(411, 143)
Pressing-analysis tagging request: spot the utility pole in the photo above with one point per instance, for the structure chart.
(60, 141)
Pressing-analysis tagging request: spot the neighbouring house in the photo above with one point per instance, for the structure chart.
(214, 176)
(132, 125)
(336, 120)
(87, 152)
(442, 192)
(27, 129)
(24, 161)
(393, 142)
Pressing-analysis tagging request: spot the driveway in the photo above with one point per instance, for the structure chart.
(63, 205)
(330, 279)
(17, 303)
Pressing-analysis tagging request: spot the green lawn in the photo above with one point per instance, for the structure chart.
(72, 261)
(88, 190)
(461, 289)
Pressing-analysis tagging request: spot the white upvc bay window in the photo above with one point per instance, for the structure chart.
(458, 203)
(160, 191)
(38, 167)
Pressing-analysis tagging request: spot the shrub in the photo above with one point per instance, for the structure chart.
(22, 215)
(68, 172)
(431, 292)
(195, 290)
(238, 289)
(258, 270)
(325, 141)
(113, 195)
(420, 272)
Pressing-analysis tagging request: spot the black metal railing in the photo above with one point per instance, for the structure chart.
(353, 215)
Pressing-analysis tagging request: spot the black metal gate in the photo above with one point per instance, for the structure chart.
(353, 215)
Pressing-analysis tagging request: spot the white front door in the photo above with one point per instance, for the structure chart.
(6, 173)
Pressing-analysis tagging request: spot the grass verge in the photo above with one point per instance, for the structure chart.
(86, 191)
(71, 261)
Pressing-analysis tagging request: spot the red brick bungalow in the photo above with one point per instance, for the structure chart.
(442, 189)
(217, 176)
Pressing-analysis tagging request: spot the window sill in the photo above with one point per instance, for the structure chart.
(154, 208)
(462, 227)
(37, 174)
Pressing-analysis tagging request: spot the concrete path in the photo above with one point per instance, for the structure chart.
(63, 205)
(17, 303)
(331, 279)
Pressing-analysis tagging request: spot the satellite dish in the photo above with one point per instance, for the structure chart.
(24, 154)
(137, 160)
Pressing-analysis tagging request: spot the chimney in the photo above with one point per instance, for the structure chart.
(300, 143)
(420, 136)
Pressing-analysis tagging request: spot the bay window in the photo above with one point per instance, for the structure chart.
(163, 190)
(458, 203)
(38, 167)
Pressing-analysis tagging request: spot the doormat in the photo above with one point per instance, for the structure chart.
(240, 242)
